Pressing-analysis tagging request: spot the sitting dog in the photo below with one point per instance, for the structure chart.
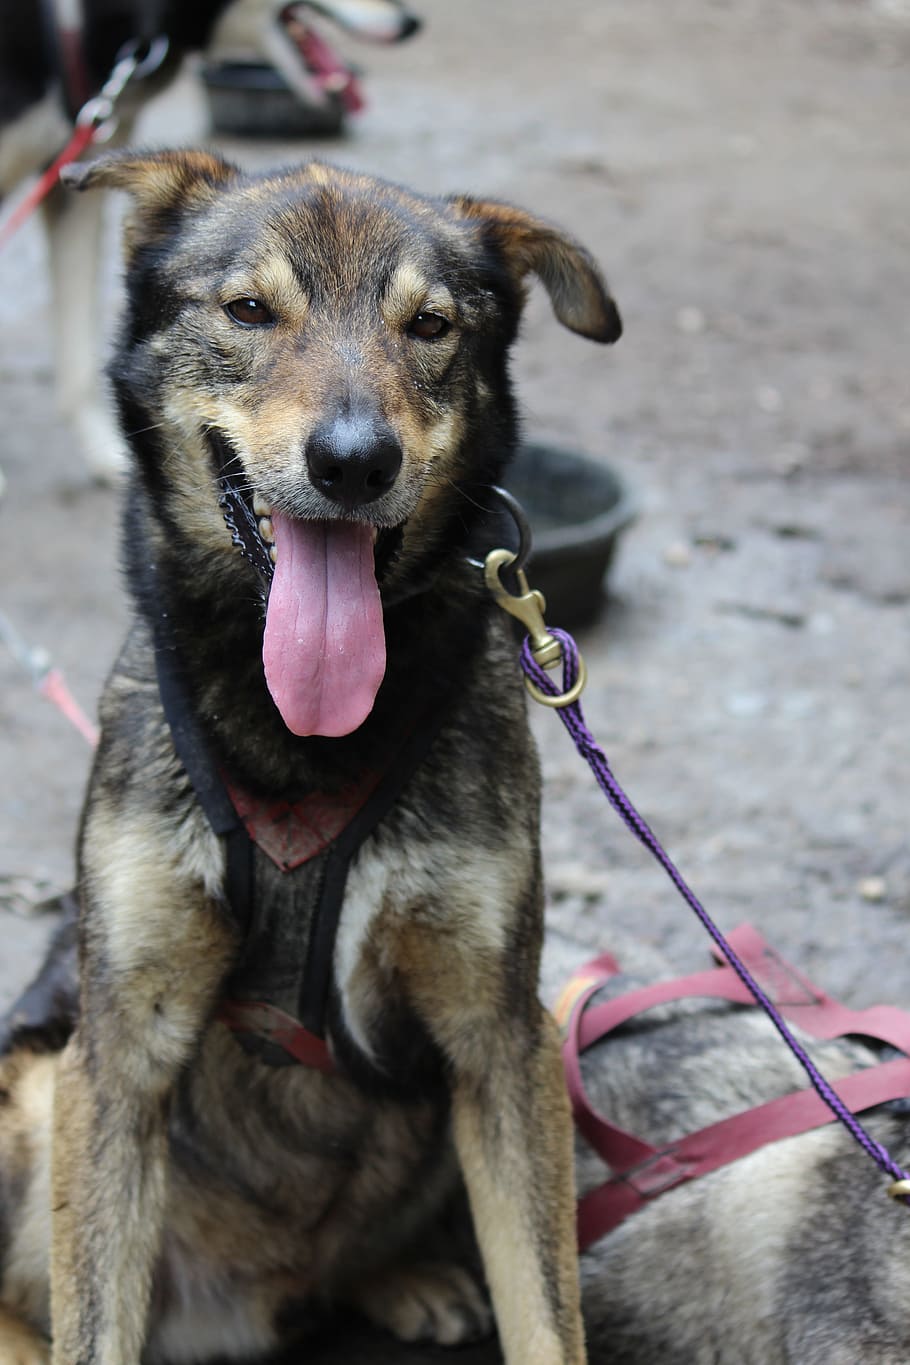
(311, 830)
(54, 56)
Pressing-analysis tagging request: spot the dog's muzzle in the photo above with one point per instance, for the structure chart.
(353, 459)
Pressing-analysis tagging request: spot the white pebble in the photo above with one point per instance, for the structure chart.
(768, 398)
(746, 704)
(690, 320)
(678, 555)
(742, 144)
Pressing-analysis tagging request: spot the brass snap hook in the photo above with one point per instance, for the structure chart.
(528, 606)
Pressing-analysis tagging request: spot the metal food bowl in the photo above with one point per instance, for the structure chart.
(578, 508)
(249, 99)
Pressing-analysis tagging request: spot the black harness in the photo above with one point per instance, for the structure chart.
(277, 997)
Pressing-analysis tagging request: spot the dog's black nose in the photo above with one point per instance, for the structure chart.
(353, 460)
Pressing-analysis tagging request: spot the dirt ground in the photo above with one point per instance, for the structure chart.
(740, 169)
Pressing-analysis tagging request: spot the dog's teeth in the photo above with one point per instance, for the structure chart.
(273, 554)
(261, 507)
(266, 530)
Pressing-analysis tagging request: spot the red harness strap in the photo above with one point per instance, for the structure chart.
(641, 1171)
(283, 1030)
(291, 833)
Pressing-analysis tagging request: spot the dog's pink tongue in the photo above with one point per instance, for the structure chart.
(324, 645)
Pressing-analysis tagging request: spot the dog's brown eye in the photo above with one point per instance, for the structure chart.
(429, 326)
(249, 312)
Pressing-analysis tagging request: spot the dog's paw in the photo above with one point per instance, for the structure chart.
(438, 1302)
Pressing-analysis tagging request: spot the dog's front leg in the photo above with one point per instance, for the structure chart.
(513, 1134)
(155, 954)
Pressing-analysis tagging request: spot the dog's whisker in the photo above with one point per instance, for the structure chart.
(442, 480)
(141, 431)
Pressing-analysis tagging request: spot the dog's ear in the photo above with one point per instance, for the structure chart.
(157, 179)
(578, 292)
(160, 183)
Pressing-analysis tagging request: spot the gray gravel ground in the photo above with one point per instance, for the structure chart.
(740, 168)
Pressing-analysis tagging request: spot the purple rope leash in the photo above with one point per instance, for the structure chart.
(571, 716)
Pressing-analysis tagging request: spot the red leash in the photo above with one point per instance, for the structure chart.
(48, 680)
(93, 123)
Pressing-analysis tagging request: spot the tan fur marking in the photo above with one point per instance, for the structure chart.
(514, 1277)
(318, 174)
(273, 281)
(386, 892)
(411, 292)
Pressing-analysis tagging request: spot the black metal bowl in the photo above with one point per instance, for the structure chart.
(578, 508)
(249, 99)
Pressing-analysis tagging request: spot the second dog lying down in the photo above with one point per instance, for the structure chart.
(791, 1256)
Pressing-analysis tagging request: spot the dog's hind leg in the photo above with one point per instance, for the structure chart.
(26, 1103)
(74, 235)
(19, 1343)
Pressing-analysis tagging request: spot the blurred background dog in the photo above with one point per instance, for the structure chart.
(56, 55)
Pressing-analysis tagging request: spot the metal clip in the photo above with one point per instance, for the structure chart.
(97, 113)
(899, 1189)
(148, 54)
(528, 607)
(135, 61)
